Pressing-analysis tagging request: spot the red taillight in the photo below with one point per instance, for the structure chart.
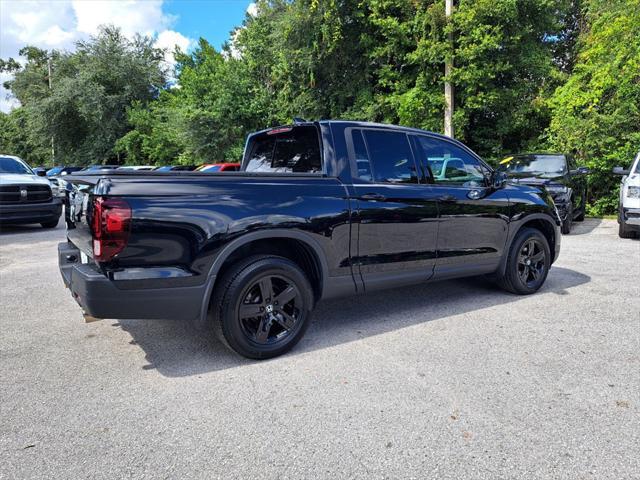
(110, 227)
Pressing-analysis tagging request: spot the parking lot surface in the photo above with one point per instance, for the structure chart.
(446, 380)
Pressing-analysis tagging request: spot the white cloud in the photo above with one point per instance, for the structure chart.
(169, 39)
(252, 9)
(132, 16)
(59, 24)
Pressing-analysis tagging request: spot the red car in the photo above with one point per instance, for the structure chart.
(219, 167)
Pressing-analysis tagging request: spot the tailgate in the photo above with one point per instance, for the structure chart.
(77, 213)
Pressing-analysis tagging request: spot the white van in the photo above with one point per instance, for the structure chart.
(629, 213)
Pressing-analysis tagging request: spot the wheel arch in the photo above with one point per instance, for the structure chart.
(298, 246)
(540, 222)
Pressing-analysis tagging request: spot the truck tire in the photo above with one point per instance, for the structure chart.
(568, 221)
(50, 223)
(528, 263)
(264, 306)
(624, 232)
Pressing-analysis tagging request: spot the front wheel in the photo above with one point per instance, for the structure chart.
(265, 305)
(528, 263)
(624, 231)
(568, 221)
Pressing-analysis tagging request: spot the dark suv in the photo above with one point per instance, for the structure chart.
(559, 174)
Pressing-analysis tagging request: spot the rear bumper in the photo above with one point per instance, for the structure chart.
(19, 213)
(101, 297)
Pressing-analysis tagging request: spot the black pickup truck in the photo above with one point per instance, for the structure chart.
(319, 210)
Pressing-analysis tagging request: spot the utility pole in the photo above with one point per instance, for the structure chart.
(53, 150)
(448, 69)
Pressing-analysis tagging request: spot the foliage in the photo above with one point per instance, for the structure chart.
(84, 108)
(596, 113)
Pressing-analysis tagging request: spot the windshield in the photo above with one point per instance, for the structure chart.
(637, 169)
(541, 164)
(213, 168)
(11, 165)
(54, 171)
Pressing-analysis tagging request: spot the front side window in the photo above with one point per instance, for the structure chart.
(289, 150)
(384, 156)
(448, 163)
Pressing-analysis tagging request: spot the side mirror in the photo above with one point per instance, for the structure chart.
(580, 171)
(620, 171)
(41, 172)
(498, 179)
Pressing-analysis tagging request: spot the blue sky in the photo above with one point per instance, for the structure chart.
(211, 19)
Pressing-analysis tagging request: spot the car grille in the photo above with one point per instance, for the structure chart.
(24, 194)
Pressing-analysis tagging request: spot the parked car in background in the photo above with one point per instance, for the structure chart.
(26, 197)
(137, 168)
(95, 168)
(175, 168)
(55, 175)
(559, 174)
(62, 170)
(252, 252)
(629, 211)
(218, 167)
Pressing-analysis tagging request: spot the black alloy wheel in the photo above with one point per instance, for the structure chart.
(531, 262)
(270, 309)
(528, 263)
(262, 306)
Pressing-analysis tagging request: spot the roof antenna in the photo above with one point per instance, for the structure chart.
(299, 120)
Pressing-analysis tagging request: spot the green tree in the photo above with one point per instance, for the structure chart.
(596, 113)
(85, 110)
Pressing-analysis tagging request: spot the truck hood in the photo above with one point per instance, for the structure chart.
(22, 179)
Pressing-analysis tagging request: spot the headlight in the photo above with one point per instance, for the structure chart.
(633, 192)
(557, 188)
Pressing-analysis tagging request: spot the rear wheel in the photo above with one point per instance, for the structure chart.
(265, 305)
(50, 223)
(528, 263)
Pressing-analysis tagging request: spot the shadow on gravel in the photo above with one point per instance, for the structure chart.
(15, 233)
(176, 349)
(586, 226)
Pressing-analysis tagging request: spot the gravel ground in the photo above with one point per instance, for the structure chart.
(450, 380)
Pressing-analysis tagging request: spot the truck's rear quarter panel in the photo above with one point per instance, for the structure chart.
(182, 223)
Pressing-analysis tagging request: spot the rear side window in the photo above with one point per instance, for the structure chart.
(384, 156)
(296, 150)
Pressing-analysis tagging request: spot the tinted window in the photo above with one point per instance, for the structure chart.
(535, 164)
(362, 157)
(389, 155)
(448, 163)
(11, 165)
(296, 150)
